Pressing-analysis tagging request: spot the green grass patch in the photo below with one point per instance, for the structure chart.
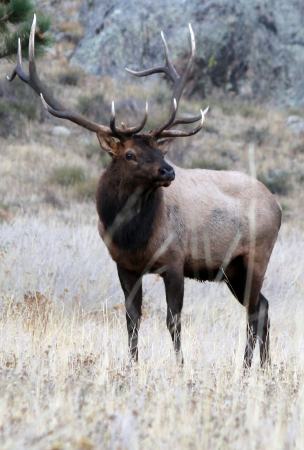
(244, 109)
(296, 112)
(202, 163)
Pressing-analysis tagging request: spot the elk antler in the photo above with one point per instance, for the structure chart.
(179, 84)
(57, 109)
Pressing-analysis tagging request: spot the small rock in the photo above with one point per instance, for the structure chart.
(60, 131)
(296, 125)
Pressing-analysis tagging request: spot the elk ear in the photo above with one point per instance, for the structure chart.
(107, 143)
(165, 144)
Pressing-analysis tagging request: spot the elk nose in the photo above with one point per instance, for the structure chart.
(166, 173)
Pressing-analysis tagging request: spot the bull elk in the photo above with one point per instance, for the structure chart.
(158, 218)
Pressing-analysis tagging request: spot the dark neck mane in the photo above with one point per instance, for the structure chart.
(128, 218)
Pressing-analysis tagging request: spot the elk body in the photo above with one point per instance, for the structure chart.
(158, 218)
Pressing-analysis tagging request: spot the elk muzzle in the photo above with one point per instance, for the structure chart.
(166, 172)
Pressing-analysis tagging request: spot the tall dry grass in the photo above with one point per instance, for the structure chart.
(66, 381)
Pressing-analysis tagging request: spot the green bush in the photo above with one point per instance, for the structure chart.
(258, 136)
(29, 110)
(68, 175)
(94, 107)
(18, 102)
(277, 181)
(69, 78)
(15, 22)
(87, 188)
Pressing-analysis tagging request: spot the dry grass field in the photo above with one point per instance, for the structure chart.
(65, 378)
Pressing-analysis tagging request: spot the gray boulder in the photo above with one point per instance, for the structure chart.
(251, 49)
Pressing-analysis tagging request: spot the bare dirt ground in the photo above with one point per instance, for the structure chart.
(65, 378)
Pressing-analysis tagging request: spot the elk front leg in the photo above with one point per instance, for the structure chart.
(174, 285)
(131, 284)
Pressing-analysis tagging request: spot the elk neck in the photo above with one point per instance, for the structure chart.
(127, 212)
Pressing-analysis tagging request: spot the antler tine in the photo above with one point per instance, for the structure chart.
(178, 133)
(184, 120)
(168, 68)
(34, 80)
(189, 64)
(18, 70)
(124, 131)
(113, 127)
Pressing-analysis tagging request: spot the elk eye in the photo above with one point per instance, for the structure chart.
(130, 156)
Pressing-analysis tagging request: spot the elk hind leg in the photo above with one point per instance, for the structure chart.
(236, 282)
(174, 285)
(258, 328)
(257, 310)
(251, 338)
(263, 330)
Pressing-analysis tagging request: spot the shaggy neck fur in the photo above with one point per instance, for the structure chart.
(128, 218)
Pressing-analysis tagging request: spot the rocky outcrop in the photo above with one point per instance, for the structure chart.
(250, 49)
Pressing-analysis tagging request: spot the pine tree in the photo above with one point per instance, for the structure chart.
(15, 22)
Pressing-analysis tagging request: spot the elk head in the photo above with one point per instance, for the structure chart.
(139, 157)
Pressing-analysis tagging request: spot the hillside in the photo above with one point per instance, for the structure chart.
(38, 166)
